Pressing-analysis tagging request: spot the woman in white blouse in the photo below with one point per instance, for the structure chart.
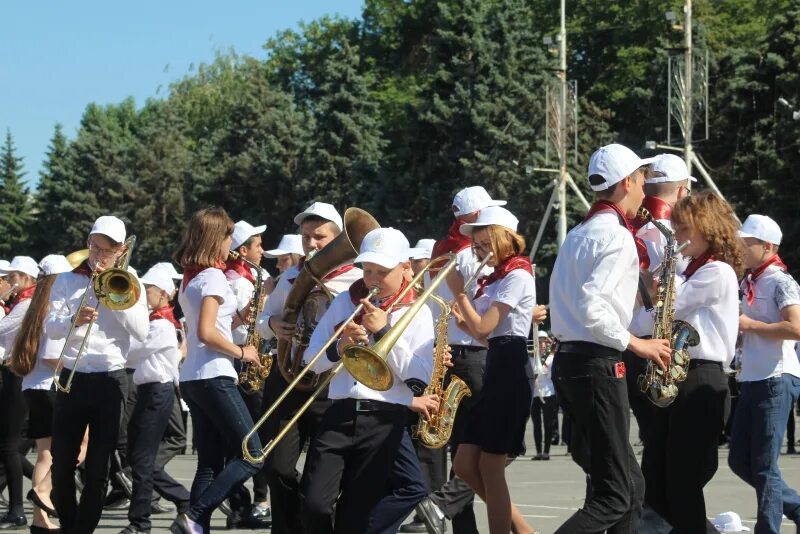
(207, 377)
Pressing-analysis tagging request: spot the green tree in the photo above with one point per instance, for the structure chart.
(15, 205)
(55, 190)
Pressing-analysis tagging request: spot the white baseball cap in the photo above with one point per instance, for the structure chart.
(54, 264)
(168, 268)
(111, 227)
(242, 231)
(422, 250)
(320, 209)
(542, 334)
(3, 265)
(290, 244)
(385, 246)
(491, 215)
(672, 169)
(160, 278)
(614, 162)
(472, 199)
(23, 264)
(763, 228)
(729, 522)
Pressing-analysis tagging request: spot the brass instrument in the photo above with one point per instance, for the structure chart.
(305, 305)
(661, 387)
(252, 376)
(77, 257)
(268, 448)
(436, 432)
(9, 293)
(116, 289)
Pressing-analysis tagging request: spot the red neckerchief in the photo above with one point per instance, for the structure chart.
(328, 277)
(502, 270)
(604, 206)
(241, 268)
(166, 312)
(696, 263)
(83, 269)
(190, 271)
(659, 209)
(360, 291)
(752, 276)
(454, 243)
(25, 294)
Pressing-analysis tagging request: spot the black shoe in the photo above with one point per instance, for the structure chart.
(181, 525)
(546, 456)
(125, 483)
(554, 440)
(131, 530)
(234, 521)
(258, 517)
(44, 530)
(34, 498)
(118, 504)
(159, 508)
(415, 526)
(791, 450)
(430, 515)
(10, 522)
(537, 457)
(225, 507)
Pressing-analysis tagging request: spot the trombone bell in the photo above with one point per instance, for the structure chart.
(117, 289)
(367, 365)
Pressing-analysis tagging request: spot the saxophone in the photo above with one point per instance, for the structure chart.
(435, 433)
(252, 376)
(661, 387)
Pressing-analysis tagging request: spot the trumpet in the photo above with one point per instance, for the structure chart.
(116, 289)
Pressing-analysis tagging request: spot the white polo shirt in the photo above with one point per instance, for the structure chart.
(517, 290)
(156, 358)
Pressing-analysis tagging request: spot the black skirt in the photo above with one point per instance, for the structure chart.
(497, 422)
(40, 412)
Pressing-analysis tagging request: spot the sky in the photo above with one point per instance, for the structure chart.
(58, 56)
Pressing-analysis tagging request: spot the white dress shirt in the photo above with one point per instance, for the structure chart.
(594, 282)
(517, 290)
(709, 301)
(411, 358)
(203, 362)
(763, 357)
(111, 333)
(9, 327)
(276, 301)
(543, 385)
(243, 289)
(41, 377)
(156, 358)
(467, 264)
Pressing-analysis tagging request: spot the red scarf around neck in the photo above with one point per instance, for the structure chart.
(83, 269)
(328, 277)
(454, 243)
(165, 312)
(190, 271)
(658, 208)
(25, 294)
(359, 290)
(605, 206)
(755, 274)
(696, 263)
(240, 267)
(502, 270)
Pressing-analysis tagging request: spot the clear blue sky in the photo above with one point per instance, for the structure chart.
(57, 56)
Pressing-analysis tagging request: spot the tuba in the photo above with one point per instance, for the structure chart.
(661, 387)
(308, 299)
(116, 289)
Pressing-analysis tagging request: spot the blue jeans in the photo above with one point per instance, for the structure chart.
(220, 420)
(758, 427)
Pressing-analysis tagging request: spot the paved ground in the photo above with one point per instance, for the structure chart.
(546, 492)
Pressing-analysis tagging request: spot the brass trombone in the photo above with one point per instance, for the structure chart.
(116, 289)
(366, 364)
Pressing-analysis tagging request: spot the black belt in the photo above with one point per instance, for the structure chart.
(462, 350)
(364, 405)
(701, 363)
(588, 349)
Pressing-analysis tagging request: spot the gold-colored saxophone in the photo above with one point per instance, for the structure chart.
(660, 386)
(252, 376)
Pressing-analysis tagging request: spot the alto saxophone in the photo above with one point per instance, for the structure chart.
(252, 376)
(661, 386)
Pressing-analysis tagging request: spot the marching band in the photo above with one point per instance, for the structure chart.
(377, 358)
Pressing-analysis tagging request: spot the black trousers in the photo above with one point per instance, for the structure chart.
(680, 454)
(544, 411)
(13, 414)
(593, 394)
(643, 409)
(284, 479)
(173, 441)
(97, 400)
(255, 403)
(349, 465)
(145, 429)
(455, 498)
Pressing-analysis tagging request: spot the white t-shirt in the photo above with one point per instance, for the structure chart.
(201, 361)
(243, 289)
(518, 290)
(709, 301)
(762, 357)
(543, 385)
(157, 358)
(9, 327)
(41, 377)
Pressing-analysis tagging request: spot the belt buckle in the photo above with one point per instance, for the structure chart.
(362, 405)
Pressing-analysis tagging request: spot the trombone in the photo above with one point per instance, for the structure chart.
(366, 364)
(116, 289)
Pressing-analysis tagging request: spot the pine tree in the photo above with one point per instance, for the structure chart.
(15, 206)
(53, 192)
